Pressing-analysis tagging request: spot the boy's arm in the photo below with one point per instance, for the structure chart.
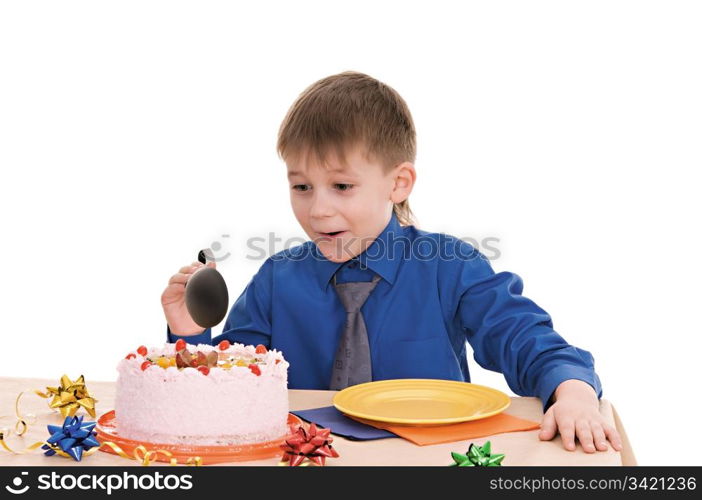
(512, 335)
(249, 320)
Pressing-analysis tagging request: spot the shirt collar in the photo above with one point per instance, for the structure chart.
(382, 256)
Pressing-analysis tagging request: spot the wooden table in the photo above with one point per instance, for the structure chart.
(520, 448)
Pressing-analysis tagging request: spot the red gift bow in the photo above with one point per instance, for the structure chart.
(314, 444)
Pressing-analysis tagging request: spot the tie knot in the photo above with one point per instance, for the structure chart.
(354, 294)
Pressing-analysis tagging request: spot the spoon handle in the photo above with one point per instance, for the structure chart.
(204, 255)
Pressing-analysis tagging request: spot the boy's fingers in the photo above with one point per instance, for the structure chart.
(548, 427)
(200, 268)
(613, 437)
(599, 436)
(179, 278)
(567, 430)
(584, 432)
(187, 269)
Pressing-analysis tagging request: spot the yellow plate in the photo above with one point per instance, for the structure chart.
(420, 401)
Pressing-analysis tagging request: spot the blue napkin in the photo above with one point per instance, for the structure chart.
(331, 418)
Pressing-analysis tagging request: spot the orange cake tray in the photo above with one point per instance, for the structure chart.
(210, 454)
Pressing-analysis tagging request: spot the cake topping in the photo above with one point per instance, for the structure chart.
(200, 359)
(163, 362)
(232, 357)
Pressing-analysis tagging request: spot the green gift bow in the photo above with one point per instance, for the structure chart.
(477, 456)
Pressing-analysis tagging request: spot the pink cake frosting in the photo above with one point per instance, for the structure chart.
(232, 405)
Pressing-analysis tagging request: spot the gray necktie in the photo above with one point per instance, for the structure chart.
(352, 364)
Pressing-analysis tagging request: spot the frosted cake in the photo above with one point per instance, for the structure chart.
(202, 395)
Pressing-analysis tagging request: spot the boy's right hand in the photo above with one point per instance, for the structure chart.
(173, 301)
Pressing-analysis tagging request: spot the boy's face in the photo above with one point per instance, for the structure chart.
(356, 199)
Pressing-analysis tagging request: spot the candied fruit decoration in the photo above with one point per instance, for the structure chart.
(145, 365)
(255, 369)
(241, 362)
(261, 349)
(277, 361)
(180, 361)
(201, 358)
(163, 362)
(224, 345)
(203, 369)
(212, 358)
(180, 345)
(131, 355)
(183, 359)
(142, 350)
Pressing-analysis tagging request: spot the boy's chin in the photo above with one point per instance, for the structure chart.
(332, 253)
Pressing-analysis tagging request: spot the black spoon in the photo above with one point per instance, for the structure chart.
(206, 295)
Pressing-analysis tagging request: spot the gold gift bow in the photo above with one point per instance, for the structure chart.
(141, 454)
(68, 397)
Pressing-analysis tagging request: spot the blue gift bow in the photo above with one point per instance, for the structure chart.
(73, 437)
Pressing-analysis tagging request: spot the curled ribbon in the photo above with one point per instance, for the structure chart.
(23, 422)
(141, 454)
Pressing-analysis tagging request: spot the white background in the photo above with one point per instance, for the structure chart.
(132, 134)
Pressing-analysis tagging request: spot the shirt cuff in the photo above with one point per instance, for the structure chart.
(548, 384)
(201, 338)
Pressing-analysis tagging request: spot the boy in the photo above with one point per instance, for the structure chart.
(371, 297)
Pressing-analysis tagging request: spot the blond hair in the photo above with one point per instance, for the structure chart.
(346, 109)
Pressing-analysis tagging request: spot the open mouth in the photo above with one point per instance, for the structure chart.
(333, 234)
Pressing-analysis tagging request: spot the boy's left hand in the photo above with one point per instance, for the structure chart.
(577, 411)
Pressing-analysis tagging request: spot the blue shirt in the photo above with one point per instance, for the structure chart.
(436, 293)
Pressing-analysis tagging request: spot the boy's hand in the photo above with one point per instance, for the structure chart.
(173, 301)
(577, 411)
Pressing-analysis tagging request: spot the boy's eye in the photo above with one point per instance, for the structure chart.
(304, 187)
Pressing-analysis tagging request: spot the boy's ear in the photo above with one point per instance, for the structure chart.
(404, 177)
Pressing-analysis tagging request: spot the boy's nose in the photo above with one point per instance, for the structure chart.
(321, 207)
